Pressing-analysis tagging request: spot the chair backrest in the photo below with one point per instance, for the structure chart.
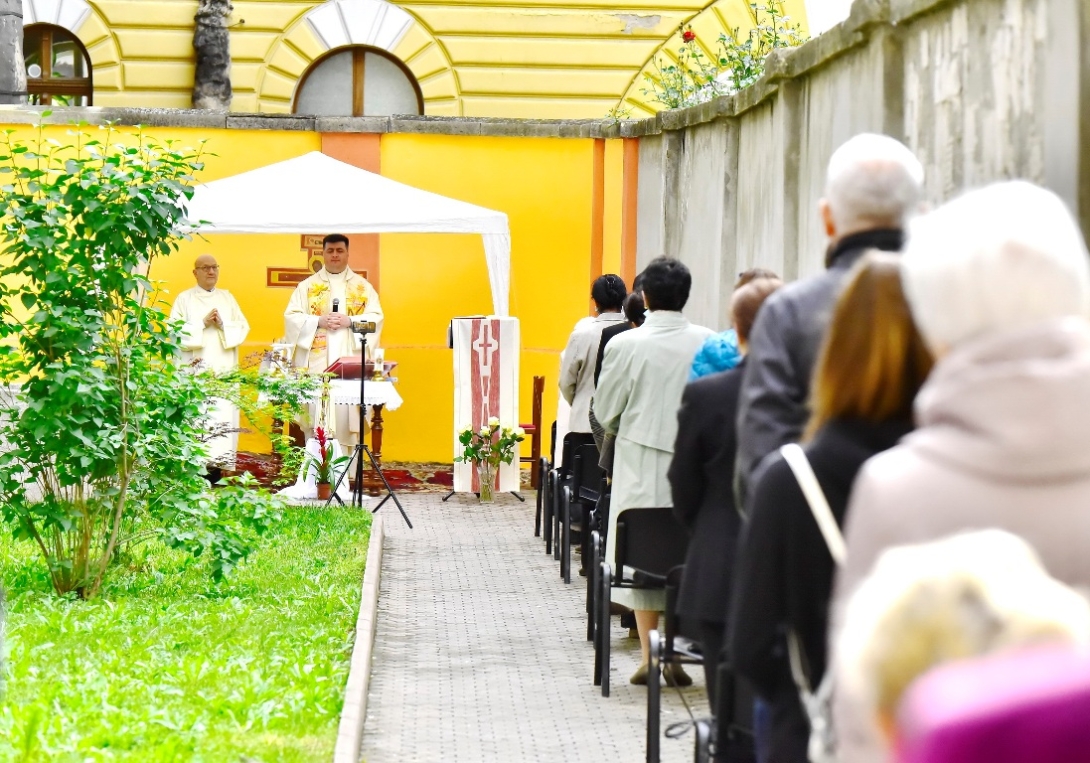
(586, 474)
(573, 440)
(1030, 706)
(539, 394)
(602, 510)
(650, 540)
(552, 443)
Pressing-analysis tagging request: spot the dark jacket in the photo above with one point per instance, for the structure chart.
(784, 573)
(783, 350)
(607, 334)
(701, 483)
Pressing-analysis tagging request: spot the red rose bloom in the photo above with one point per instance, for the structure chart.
(688, 36)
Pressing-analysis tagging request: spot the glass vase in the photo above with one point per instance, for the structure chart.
(487, 474)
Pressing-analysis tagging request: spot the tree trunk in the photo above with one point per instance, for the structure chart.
(212, 43)
(12, 64)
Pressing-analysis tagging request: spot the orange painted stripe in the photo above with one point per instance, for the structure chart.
(629, 208)
(598, 210)
(361, 150)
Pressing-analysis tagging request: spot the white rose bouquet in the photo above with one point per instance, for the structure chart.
(492, 444)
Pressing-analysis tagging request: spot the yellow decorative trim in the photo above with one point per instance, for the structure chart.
(300, 45)
(719, 17)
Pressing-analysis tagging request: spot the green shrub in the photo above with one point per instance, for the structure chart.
(104, 433)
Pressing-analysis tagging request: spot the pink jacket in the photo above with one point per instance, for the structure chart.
(1003, 441)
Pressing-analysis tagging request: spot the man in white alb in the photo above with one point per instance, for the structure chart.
(318, 324)
(213, 329)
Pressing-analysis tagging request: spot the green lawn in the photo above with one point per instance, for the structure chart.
(168, 666)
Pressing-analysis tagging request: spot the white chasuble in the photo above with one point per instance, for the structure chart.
(217, 349)
(486, 384)
(315, 349)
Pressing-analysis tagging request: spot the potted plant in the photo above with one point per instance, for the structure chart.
(324, 465)
(486, 449)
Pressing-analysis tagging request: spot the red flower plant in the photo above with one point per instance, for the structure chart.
(325, 466)
(688, 36)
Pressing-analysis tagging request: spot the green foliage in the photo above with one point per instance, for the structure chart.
(268, 396)
(697, 74)
(166, 667)
(618, 114)
(493, 444)
(105, 430)
(223, 524)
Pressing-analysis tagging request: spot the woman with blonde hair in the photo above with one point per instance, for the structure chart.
(871, 365)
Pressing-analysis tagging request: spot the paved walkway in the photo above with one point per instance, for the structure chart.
(481, 652)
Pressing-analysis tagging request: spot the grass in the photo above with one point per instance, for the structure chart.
(168, 666)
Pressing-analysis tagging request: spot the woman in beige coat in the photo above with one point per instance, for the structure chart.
(639, 392)
(999, 284)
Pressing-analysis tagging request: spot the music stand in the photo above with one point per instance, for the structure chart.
(361, 448)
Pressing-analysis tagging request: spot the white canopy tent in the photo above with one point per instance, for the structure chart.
(317, 194)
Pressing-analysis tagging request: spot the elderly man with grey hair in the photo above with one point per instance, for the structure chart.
(998, 281)
(874, 184)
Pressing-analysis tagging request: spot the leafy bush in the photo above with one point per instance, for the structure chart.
(267, 394)
(104, 430)
(698, 76)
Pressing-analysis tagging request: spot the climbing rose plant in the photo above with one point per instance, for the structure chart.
(698, 74)
(100, 429)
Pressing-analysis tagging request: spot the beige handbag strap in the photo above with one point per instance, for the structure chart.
(819, 507)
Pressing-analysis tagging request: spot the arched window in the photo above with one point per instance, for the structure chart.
(58, 69)
(358, 81)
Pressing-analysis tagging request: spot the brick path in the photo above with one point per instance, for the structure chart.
(481, 652)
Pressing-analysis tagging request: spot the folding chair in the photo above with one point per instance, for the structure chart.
(650, 542)
(579, 499)
(666, 649)
(558, 478)
(599, 523)
(544, 466)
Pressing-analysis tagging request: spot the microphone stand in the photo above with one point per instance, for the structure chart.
(361, 450)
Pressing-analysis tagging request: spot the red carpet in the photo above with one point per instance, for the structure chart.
(403, 477)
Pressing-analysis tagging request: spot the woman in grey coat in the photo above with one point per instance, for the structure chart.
(999, 284)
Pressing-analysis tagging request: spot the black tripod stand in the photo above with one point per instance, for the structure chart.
(361, 448)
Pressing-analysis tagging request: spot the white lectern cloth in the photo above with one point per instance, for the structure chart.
(486, 384)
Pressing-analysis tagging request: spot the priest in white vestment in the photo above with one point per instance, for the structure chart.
(637, 399)
(213, 329)
(318, 322)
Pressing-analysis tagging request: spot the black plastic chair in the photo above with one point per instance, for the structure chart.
(578, 501)
(543, 468)
(731, 727)
(596, 547)
(665, 649)
(650, 543)
(561, 476)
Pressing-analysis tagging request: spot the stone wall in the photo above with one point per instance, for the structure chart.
(981, 89)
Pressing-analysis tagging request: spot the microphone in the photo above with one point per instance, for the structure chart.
(336, 304)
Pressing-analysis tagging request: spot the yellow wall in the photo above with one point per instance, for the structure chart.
(497, 58)
(545, 185)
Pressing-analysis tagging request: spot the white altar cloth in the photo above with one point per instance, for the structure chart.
(486, 373)
(347, 392)
(306, 485)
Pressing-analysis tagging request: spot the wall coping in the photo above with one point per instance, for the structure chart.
(866, 18)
